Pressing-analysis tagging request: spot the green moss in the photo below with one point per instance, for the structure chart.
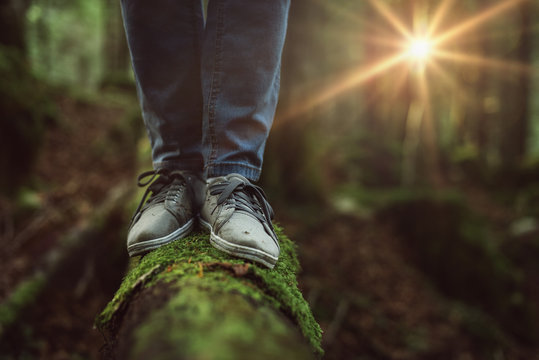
(194, 258)
(243, 329)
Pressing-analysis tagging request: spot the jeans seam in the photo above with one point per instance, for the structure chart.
(227, 163)
(179, 165)
(215, 82)
(247, 170)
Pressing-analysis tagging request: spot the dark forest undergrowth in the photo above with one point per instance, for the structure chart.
(418, 277)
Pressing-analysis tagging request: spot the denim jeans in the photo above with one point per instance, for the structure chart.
(208, 88)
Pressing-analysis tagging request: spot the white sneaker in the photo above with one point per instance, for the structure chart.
(168, 214)
(238, 217)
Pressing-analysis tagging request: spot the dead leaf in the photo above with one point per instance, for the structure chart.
(240, 269)
(200, 270)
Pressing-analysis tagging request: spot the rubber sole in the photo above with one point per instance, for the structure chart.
(240, 251)
(149, 245)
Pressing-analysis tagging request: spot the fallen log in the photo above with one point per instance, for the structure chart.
(188, 300)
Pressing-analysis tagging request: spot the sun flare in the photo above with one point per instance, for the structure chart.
(420, 49)
(423, 45)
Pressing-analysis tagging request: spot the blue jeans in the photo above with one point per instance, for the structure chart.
(208, 88)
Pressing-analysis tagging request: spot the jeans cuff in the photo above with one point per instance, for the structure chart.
(222, 169)
(194, 166)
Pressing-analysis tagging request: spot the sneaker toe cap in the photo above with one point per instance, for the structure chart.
(250, 234)
(153, 224)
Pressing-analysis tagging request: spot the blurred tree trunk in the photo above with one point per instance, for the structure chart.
(288, 164)
(475, 129)
(514, 137)
(115, 51)
(12, 19)
(479, 130)
(481, 126)
(524, 53)
(22, 104)
(44, 38)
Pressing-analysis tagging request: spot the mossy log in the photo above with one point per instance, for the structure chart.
(188, 300)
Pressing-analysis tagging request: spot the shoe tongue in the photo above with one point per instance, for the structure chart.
(215, 180)
(176, 173)
(218, 179)
(237, 176)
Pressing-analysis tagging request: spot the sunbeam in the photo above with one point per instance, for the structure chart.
(389, 42)
(347, 82)
(438, 16)
(475, 21)
(422, 49)
(512, 66)
(393, 20)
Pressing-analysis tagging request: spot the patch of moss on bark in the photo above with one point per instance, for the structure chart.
(207, 322)
(195, 261)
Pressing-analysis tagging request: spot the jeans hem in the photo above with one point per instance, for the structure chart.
(183, 165)
(222, 169)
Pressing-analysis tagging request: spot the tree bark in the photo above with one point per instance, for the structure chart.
(116, 54)
(514, 141)
(12, 15)
(23, 103)
(187, 300)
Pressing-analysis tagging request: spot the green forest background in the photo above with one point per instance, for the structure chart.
(412, 190)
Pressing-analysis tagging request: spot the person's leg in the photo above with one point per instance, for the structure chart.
(164, 39)
(241, 59)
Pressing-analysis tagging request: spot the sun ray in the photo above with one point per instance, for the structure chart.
(389, 42)
(391, 18)
(495, 34)
(499, 33)
(438, 16)
(475, 21)
(506, 65)
(345, 83)
(421, 46)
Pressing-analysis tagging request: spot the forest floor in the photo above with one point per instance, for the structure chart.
(374, 303)
(368, 295)
(87, 153)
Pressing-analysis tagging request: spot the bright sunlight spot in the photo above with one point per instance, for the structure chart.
(420, 49)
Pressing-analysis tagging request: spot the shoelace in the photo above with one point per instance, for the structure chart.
(165, 179)
(247, 197)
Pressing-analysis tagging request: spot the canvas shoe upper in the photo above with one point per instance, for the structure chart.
(238, 217)
(167, 215)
